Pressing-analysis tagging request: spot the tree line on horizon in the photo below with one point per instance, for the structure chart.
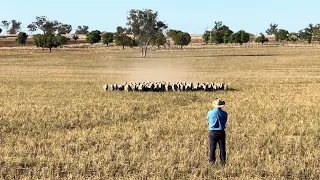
(222, 34)
(144, 29)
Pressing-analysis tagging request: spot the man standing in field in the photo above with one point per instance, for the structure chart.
(217, 119)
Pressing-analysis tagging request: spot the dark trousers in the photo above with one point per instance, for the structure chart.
(214, 138)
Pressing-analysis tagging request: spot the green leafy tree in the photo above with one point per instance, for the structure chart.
(220, 33)
(134, 42)
(226, 36)
(38, 24)
(144, 25)
(47, 40)
(172, 33)
(121, 38)
(281, 35)
(5, 24)
(22, 38)
(122, 30)
(82, 30)
(305, 36)
(272, 29)
(316, 35)
(12, 27)
(306, 33)
(182, 39)
(75, 37)
(61, 40)
(15, 27)
(64, 29)
(179, 37)
(293, 37)
(93, 37)
(159, 40)
(38, 40)
(240, 37)
(310, 28)
(261, 39)
(107, 38)
(206, 37)
(47, 26)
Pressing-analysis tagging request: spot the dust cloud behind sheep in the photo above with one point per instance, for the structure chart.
(158, 70)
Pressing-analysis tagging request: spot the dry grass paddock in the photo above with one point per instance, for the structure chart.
(57, 122)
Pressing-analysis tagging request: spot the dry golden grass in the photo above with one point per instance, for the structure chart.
(57, 122)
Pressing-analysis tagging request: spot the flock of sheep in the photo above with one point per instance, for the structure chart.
(165, 86)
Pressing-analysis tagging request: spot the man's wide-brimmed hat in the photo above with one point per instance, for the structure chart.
(218, 103)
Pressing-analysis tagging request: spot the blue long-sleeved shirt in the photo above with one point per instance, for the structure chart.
(217, 119)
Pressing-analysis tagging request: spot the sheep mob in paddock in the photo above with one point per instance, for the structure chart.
(165, 86)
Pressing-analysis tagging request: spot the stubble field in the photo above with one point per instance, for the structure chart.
(57, 122)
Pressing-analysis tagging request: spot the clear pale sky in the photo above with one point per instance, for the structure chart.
(253, 16)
